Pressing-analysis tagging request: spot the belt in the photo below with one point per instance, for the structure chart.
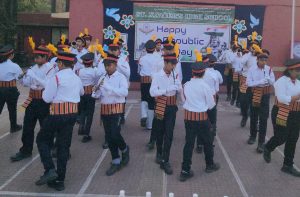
(284, 110)
(33, 94)
(235, 77)
(243, 85)
(195, 116)
(63, 108)
(161, 103)
(88, 89)
(258, 92)
(8, 84)
(109, 109)
(146, 79)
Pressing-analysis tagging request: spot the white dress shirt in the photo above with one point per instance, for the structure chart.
(89, 76)
(164, 84)
(260, 77)
(79, 54)
(114, 89)
(285, 89)
(211, 79)
(197, 96)
(178, 68)
(36, 77)
(219, 78)
(64, 86)
(148, 64)
(248, 61)
(237, 63)
(227, 56)
(123, 66)
(9, 71)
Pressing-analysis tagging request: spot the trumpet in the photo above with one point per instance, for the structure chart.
(23, 74)
(98, 86)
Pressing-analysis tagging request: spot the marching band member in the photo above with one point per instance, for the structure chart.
(285, 117)
(164, 87)
(158, 50)
(87, 38)
(63, 92)
(260, 78)
(196, 103)
(89, 77)
(35, 108)
(9, 94)
(79, 51)
(112, 90)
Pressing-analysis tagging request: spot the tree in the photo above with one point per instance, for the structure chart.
(8, 22)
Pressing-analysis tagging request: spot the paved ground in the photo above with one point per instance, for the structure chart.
(243, 172)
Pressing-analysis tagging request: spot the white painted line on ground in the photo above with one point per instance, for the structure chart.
(89, 179)
(19, 172)
(282, 154)
(9, 193)
(4, 135)
(165, 183)
(234, 172)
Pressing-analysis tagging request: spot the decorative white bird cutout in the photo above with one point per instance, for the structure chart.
(254, 21)
(111, 12)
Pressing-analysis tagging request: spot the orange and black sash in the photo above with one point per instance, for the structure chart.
(8, 84)
(161, 102)
(146, 79)
(110, 109)
(243, 85)
(195, 116)
(258, 92)
(284, 110)
(235, 77)
(88, 89)
(33, 94)
(63, 108)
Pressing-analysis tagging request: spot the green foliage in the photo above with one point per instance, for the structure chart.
(8, 17)
(34, 6)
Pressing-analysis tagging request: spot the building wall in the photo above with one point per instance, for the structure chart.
(276, 33)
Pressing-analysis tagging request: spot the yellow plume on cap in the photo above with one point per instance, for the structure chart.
(31, 42)
(80, 34)
(170, 38)
(117, 38)
(86, 31)
(101, 51)
(97, 41)
(92, 48)
(257, 48)
(254, 35)
(176, 49)
(52, 48)
(244, 44)
(63, 39)
(209, 50)
(153, 37)
(198, 55)
(67, 50)
(236, 40)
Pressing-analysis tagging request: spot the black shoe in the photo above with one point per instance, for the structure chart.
(47, 177)
(15, 128)
(251, 140)
(185, 175)
(122, 120)
(260, 148)
(212, 168)
(105, 145)
(243, 122)
(199, 149)
(143, 122)
(113, 169)
(150, 145)
(20, 156)
(158, 159)
(86, 139)
(290, 170)
(125, 157)
(57, 185)
(232, 102)
(267, 155)
(166, 167)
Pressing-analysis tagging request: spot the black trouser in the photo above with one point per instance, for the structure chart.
(229, 82)
(112, 128)
(145, 95)
(164, 132)
(288, 135)
(201, 130)
(37, 110)
(62, 126)
(259, 115)
(10, 97)
(246, 100)
(235, 92)
(87, 108)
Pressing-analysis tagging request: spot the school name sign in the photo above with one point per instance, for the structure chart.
(202, 15)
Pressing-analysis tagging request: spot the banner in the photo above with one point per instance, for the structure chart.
(203, 15)
(188, 36)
